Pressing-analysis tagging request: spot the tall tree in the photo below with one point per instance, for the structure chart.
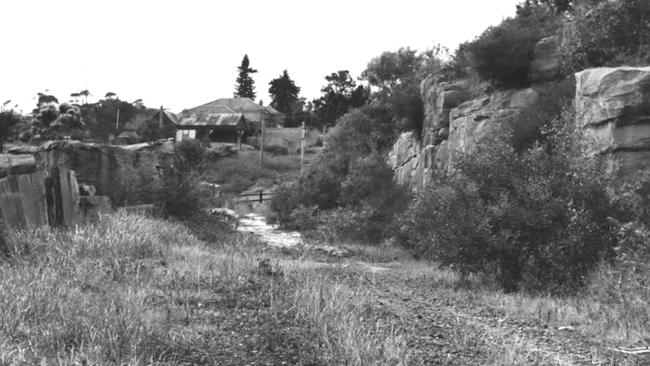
(244, 84)
(339, 95)
(284, 93)
(85, 94)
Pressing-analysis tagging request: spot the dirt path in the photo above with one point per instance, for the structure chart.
(447, 326)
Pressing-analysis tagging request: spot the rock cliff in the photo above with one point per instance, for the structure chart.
(124, 175)
(452, 126)
(613, 105)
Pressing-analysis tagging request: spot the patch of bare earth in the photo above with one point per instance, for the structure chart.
(445, 324)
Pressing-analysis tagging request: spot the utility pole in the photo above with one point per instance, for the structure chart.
(261, 134)
(302, 146)
(262, 140)
(117, 120)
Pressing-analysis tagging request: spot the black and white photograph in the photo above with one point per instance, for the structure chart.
(324, 183)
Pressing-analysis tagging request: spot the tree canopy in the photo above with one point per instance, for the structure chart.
(339, 95)
(284, 93)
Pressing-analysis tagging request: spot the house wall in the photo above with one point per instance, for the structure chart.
(185, 135)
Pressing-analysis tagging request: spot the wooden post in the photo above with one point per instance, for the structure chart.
(262, 139)
(302, 146)
(160, 119)
(240, 133)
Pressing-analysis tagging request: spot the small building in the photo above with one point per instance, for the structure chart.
(226, 120)
(221, 127)
(127, 137)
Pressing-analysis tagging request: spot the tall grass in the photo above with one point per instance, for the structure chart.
(336, 312)
(127, 289)
(236, 174)
(89, 294)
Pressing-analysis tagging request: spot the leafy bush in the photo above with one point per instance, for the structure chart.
(502, 54)
(276, 149)
(189, 154)
(357, 206)
(351, 179)
(181, 196)
(540, 219)
(611, 33)
(529, 123)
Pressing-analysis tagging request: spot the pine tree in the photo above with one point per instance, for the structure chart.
(284, 93)
(244, 85)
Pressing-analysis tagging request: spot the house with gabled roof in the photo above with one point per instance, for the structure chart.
(226, 120)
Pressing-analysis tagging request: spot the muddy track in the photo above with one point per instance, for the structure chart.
(448, 327)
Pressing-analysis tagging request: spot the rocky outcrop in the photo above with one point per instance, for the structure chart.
(12, 164)
(613, 105)
(546, 64)
(452, 126)
(474, 119)
(124, 175)
(439, 98)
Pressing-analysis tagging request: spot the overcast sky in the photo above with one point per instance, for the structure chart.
(185, 53)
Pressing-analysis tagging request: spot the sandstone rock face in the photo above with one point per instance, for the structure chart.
(122, 175)
(452, 127)
(439, 98)
(546, 60)
(474, 119)
(403, 158)
(613, 105)
(12, 164)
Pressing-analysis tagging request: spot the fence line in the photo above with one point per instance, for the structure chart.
(249, 197)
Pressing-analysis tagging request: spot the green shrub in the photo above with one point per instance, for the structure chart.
(502, 54)
(612, 33)
(538, 220)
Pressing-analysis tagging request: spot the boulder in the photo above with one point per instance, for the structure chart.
(546, 64)
(613, 105)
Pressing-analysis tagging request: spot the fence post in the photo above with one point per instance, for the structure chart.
(261, 196)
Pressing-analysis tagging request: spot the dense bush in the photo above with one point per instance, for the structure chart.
(349, 193)
(540, 219)
(277, 149)
(181, 195)
(611, 33)
(396, 77)
(502, 54)
(529, 123)
(189, 154)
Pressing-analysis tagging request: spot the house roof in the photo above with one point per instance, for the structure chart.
(128, 134)
(167, 115)
(251, 110)
(201, 119)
